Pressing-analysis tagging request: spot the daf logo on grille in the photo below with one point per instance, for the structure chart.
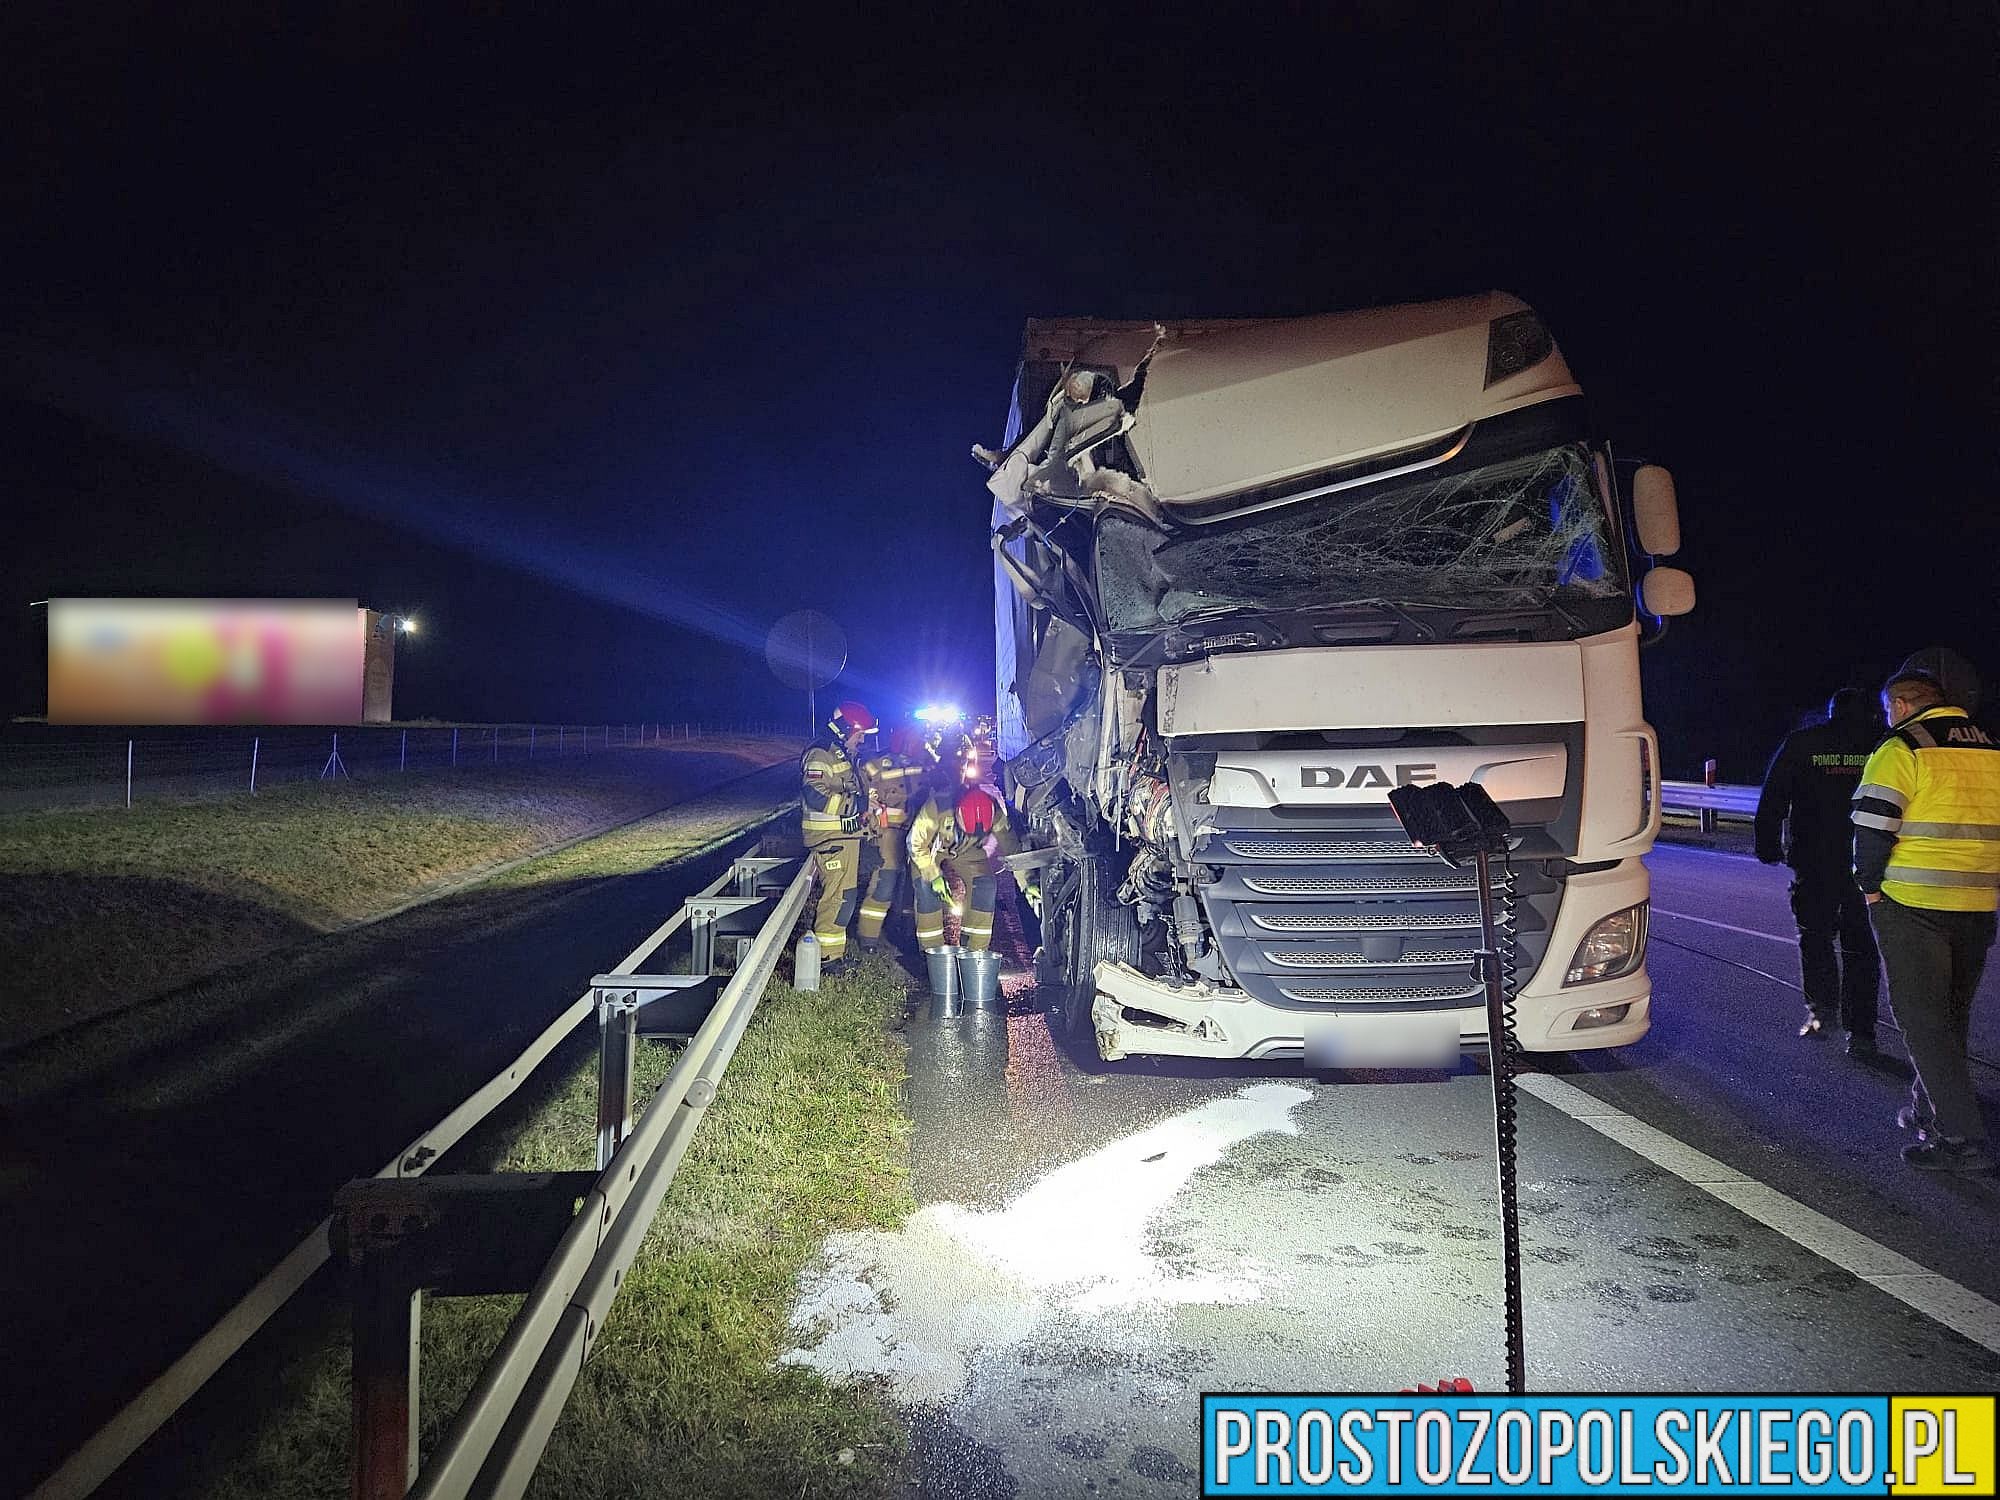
(1407, 774)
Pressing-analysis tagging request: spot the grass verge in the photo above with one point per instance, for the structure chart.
(684, 1394)
(104, 907)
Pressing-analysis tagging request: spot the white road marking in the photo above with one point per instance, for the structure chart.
(1939, 1298)
(1688, 916)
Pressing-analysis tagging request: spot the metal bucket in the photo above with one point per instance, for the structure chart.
(979, 978)
(946, 999)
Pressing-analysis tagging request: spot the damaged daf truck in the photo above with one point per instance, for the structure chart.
(1251, 574)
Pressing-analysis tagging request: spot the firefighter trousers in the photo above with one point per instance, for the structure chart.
(837, 867)
(882, 887)
(975, 927)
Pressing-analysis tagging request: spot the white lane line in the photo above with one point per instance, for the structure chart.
(1688, 916)
(1939, 1298)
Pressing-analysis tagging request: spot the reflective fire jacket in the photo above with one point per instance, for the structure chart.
(937, 840)
(831, 796)
(891, 782)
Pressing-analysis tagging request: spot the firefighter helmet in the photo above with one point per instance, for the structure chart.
(976, 812)
(850, 718)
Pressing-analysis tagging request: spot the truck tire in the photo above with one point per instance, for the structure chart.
(1097, 928)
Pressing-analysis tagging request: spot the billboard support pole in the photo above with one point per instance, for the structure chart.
(128, 776)
(255, 744)
(335, 766)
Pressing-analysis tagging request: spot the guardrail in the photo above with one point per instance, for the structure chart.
(400, 1243)
(1735, 803)
(90, 1465)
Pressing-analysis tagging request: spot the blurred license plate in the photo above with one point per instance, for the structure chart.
(1389, 1039)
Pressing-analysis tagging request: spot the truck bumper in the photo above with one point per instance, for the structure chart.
(1138, 1015)
(1134, 1014)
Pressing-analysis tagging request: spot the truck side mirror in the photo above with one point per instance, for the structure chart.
(1666, 592)
(1656, 511)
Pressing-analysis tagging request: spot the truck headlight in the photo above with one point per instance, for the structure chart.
(1614, 946)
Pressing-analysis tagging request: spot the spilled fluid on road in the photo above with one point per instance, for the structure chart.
(916, 1305)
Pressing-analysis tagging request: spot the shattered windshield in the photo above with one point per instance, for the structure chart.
(1507, 535)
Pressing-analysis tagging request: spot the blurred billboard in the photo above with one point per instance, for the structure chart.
(206, 661)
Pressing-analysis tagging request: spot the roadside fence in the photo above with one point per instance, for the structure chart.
(50, 766)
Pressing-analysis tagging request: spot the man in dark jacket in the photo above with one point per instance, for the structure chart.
(1802, 819)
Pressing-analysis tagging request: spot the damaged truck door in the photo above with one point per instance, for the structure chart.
(1251, 575)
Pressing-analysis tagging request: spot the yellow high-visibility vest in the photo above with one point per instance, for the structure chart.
(1934, 785)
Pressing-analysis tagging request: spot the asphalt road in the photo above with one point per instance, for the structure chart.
(1097, 1247)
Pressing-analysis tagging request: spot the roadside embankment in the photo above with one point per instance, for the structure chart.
(684, 1394)
(158, 1162)
(104, 908)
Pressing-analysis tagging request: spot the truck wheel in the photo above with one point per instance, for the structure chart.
(1097, 928)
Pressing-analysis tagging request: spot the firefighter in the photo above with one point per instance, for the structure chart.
(833, 805)
(892, 779)
(951, 830)
(1927, 859)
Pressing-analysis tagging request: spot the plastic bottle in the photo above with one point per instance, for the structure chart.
(805, 964)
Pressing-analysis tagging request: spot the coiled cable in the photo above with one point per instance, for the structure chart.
(1503, 1050)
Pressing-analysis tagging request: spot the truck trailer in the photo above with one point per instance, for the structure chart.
(1251, 574)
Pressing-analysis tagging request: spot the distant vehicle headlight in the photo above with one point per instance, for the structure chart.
(1614, 946)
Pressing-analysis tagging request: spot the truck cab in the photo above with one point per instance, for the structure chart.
(1252, 576)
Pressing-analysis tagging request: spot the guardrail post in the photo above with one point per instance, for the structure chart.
(749, 872)
(456, 1236)
(701, 934)
(1706, 817)
(531, 742)
(617, 1034)
(388, 1339)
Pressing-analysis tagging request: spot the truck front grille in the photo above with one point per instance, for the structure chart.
(1331, 908)
(1314, 959)
(1319, 848)
(1452, 996)
(1393, 919)
(1415, 878)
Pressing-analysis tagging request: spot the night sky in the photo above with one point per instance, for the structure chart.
(600, 348)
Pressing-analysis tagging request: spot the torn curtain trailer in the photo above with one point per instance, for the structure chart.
(1251, 575)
